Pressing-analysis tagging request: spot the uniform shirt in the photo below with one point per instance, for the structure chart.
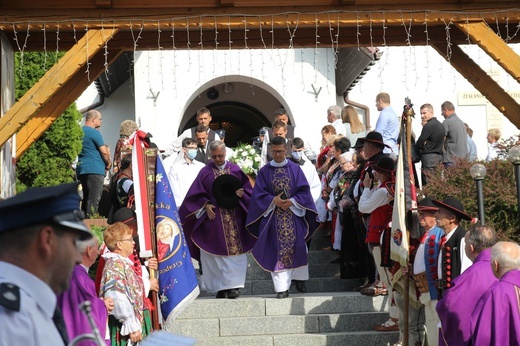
(33, 324)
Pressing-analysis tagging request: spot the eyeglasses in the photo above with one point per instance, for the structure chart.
(278, 151)
(130, 240)
(217, 156)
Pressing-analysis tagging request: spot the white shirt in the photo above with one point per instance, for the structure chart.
(33, 324)
(312, 178)
(340, 128)
(465, 262)
(182, 175)
(371, 199)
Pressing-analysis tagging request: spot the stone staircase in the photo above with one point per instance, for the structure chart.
(328, 314)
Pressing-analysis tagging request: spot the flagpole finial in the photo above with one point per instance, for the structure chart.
(408, 108)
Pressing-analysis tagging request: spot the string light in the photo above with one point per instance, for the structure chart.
(174, 51)
(160, 53)
(426, 51)
(57, 43)
(87, 52)
(44, 26)
(316, 44)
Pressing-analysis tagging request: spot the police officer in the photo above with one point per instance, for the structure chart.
(38, 233)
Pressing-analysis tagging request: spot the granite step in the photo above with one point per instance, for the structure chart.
(308, 319)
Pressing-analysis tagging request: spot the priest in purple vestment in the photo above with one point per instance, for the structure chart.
(282, 214)
(81, 289)
(213, 214)
(496, 317)
(458, 302)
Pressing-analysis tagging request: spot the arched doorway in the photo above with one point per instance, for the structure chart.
(240, 121)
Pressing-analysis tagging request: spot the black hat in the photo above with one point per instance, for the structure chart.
(40, 205)
(124, 215)
(454, 205)
(359, 143)
(426, 204)
(374, 137)
(224, 190)
(384, 165)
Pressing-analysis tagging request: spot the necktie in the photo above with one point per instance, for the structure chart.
(60, 325)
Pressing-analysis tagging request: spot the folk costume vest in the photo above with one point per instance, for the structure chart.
(451, 261)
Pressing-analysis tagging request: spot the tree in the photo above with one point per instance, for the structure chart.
(49, 161)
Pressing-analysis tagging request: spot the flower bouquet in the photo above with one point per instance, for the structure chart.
(246, 157)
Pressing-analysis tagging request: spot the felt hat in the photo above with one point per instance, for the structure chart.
(384, 165)
(374, 137)
(359, 144)
(426, 204)
(224, 190)
(454, 205)
(44, 205)
(124, 215)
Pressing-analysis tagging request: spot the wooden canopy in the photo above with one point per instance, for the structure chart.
(96, 32)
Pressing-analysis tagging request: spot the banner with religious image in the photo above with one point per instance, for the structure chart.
(178, 285)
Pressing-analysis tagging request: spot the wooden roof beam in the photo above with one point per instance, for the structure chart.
(480, 80)
(65, 96)
(48, 86)
(481, 34)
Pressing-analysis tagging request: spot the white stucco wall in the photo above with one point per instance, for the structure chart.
(423, 75)
(182, 76)
(116, 108)
(179, 80)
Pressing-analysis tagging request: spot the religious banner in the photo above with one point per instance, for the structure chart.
(399, 243)
(142, 200)
(178, 285)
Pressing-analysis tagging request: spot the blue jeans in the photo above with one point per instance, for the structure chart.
(92, 185)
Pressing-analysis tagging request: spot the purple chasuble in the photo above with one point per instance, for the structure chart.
(455, 308)
(82, 289)
(226, 235)
(281, 234)
(496, 318)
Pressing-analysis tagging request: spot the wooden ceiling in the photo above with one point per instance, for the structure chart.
(195, 24)
(96, 32)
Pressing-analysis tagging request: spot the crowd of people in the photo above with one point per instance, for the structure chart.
(464, 283)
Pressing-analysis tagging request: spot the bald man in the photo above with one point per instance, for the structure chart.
(496, 317)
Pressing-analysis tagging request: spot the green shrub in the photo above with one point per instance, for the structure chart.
(499, 188)
(49, 160)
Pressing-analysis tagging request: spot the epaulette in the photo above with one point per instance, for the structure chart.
(10, 296)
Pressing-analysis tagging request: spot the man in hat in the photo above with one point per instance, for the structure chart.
(82, 289)
(283, 217)
(93, 163)
(456, 142)
(430, 143)
(387, 124)
(38, 233)
(496, 317)
(452, 258)
(373, 146)
(424, 252)
(203, 118)
(375, 200)
(215, 223)
(183, 173)
(458, 302)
